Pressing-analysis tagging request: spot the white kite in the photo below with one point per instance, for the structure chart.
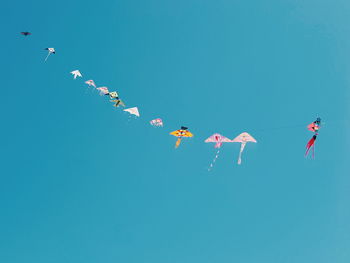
(243, 138)
(90, 83)
(133, 111)
(103, 90)
(51, 50)
(76, 73)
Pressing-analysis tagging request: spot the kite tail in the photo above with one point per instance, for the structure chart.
(214, 160)
(311, 144)
(240, 153)
(47, 56)
(177, 144)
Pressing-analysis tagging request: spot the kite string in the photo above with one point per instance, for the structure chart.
(214, 160)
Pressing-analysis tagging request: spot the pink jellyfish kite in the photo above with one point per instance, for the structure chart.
(314, 127)
(243, 138)
(218, 139)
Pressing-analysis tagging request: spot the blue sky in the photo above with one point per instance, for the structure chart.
(83, 182)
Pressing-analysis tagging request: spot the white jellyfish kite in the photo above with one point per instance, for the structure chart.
(157, 122)
(50, 50)
(103, 90)
(243, 138)
(133, 111)
(76, 73)
(218, 139)
(90, 83)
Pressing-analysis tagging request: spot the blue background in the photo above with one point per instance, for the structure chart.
(82, 181)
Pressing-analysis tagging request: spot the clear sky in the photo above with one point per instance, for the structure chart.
(83, 182)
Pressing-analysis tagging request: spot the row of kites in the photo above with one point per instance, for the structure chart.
(216, 138)
(183, 132)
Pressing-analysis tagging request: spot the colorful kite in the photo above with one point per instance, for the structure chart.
(183, 132)
(90, 83)
(103, 90)
(118, 102)
(157, 122)
(50, 50)
(243, 138)
(314, 127)
(113, 95)
(218, 139)
(76, 73)
(133, 111)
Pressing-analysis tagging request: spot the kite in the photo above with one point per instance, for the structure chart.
(113, 95)
(90, 83)
(133, 111)
(314, 127)
(183, 132)
(76, 73)
(51, 50)
(118, 102)
(243, 138)
(103, 90)
(157, 122)
(26, 33)
(218, 139)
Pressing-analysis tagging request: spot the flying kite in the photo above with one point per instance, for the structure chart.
(118, 102)
(76, 73)
(314, 127)
(103, 90)
(113, 95)
(183, 132)
(218, 139)
(51, 50)
(90, 83)
(243, 138)
(26, 33)
(133, 111)
(157, 122)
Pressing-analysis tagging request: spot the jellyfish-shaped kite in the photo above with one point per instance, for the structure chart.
(243, 138)
(157, 122)
(50, 50)
(218, 139)
(90, 83)
(314, 127)
(181, 133)
(133, 111)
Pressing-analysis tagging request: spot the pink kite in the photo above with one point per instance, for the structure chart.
(103, 90)
(243, 138)
(157, 122)
(218, 139)
(314, 127)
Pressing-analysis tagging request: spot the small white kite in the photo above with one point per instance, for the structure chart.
(76, 73)
(133, 111)
(90, 83)
(51, 50)
(243, 138)
(103, 90)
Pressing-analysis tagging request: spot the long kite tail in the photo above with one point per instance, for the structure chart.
(311, 144)
(47, 56)
(214, 160)
(240, 153)
(177, 144)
